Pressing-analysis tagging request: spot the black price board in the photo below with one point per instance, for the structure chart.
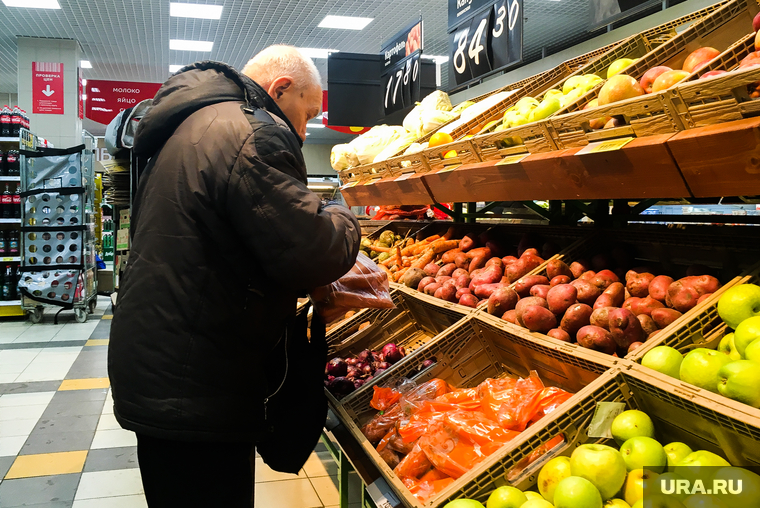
(401, 84)
(486, 41)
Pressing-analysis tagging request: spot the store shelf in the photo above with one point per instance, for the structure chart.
(15, 259)
(10, 221)
(10, 178)
(9, 140)
(10, 303)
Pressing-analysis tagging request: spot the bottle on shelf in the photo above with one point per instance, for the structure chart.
(7, 283)
(6, 200)
(13, 163)
(5, 122)
(3, 163)
(15, 122)
(13, 243)
(17, 202)
(3, 243)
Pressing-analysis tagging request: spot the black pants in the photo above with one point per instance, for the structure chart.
(205, 475)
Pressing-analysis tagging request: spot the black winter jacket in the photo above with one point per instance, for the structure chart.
(225, 237)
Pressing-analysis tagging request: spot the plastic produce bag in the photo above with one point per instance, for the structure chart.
(371, 143)
(364, 287)
(343, 157)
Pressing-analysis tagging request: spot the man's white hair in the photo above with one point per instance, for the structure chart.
(282, 60)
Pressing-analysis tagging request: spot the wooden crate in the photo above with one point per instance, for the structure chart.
(678, 416)
(467, 354)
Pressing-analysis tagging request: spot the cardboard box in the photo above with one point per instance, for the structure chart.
(124, 217)
(122, 239)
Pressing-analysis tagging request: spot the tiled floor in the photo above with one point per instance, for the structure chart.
(60, 445)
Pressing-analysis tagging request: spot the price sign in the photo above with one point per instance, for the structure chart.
(401, 84)
(486, 41)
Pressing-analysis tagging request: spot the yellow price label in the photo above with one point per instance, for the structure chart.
(350, 184)
(373, 181)
(606, 146)
(8, 260)
(512, 159)
(448, 168)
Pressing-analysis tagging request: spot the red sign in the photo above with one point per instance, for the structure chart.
(105, 99)
(80, 97)
(345, 130)
(47, 88)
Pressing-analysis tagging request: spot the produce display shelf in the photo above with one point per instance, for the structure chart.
(10, 178)
(10, 221)
(468, 353)
(9, 303)
(6, 139)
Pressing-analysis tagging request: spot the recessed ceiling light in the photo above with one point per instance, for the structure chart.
(33, 4)
(345, 22)
(317, 52)
(181, 10)
(175, 68)
(183, 45)
(315, 126)
(85, 64)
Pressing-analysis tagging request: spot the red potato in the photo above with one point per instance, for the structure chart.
(413, 277)
(538, 319)
(462, 291)
(633, 347)
(450, 255)
(451, 282)
(638, 284)
(447, 293)
(613, 296)
(664, 317)
(442, 278)
(431, 269)
(502, 300)
(529, 252)
(524, 303)
(629, 303)
(560, 279)
(625, 328)
(430, 289)
(477, 262)
(647, 324)
(658, 287)
(587, 276)
(479, 253)
(462, 261)
(684, 293)
(497, 262)
(486, 290)
(645, 306)
(458, 272)
(477, 272)
(490, 275)
(601, 317)
(597, 339)
(575, 318)
(561, 297)
(469, 300)
(578, 268)
(559, 334)
(468, 242)
(523, 285)
(462, 281)
(508, 260)
(587, 292)
(424, 282)
(510, 316)
(557, 267)
(540, 290)
(704, 297)
(604, 278)
(446, 270)
(522, 266)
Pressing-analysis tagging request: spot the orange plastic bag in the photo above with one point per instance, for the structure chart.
(414, 465)
(426, 490)
(492, 393)
(448, 451)
(474, 425)
(384, 397)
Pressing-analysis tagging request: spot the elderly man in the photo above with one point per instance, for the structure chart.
(225, 237)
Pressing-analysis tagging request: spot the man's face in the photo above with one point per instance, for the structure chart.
(299, 104)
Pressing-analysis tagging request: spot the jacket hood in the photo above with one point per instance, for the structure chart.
(192, 88)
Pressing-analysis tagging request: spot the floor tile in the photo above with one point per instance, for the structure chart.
(38, 491)
(21, 412)
(108, 422)
(72, 396)
(84, 384)
(8, 378)
(50, 442)
(45, 371)
(5, 465)
(124, 482)
(291, 493)
(93, 407)
(14, 356)
(47, 464)
(38, 334)
(97, 342)
(11, 445)
(25, 399)
(76, 423)
(327, 489)
(14, 428)
(107, 316)
(112, 502)
(113, 439)
(39, 386)
(320, 464)
(265, 474)
(111, 459)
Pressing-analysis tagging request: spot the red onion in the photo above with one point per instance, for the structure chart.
(341, 386)
(365, 356)
(337, 367)
(391, 353)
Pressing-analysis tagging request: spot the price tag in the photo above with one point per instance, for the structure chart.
(350, 184)
(401, 84)
(512, 159)
(9, 260)
(373, 181)
(458, 43)
(506, 34)
(403, 177)
(605, 146)
(601, 424)
(450, 167)
(382, 494)
(478, 48)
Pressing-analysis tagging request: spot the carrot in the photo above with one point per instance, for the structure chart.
(426, 258)
(446, 246)
(380, 249)
(432, 238)
(400, 274)
(449, 233)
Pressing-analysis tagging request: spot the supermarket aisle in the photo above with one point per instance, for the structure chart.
(60, 445)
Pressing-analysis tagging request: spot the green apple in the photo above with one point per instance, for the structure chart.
(728, 347)
(750, 487)
(553, 93)
(631, 423)
(643, 452)
(537, 503)
(618, 65)
(548, 107)
(589, 82)
(464, 503)
(572, 83)
(668, 483)
(747, 332)
(570, 97)
(616, 503)
(664, 359)
(577, 492)
(692, 467)
(602, 465)
(526, 104)
(740, 380)
(700, 367)
(739, 303)
(676, 452)
(703, 501)
(551, 474)
(506, 497)
(533, 495)
(752, 352)
(637, 482)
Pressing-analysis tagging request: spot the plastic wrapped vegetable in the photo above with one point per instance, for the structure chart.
(343, 157)
(371, 143)
(396, 146)
(462, 106)
(437, 100)
(365, 286)
(431, 120)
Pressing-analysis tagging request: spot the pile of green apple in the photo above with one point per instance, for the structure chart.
(600, 476)
(733, 370)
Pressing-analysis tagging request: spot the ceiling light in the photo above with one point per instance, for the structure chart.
(183, 45)
(84, 82)
(315, 125)
(200, 11)
(85, 64)
(317, 52)
(321, 187)
(33, 4)
(345, 22)
(175, 68)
